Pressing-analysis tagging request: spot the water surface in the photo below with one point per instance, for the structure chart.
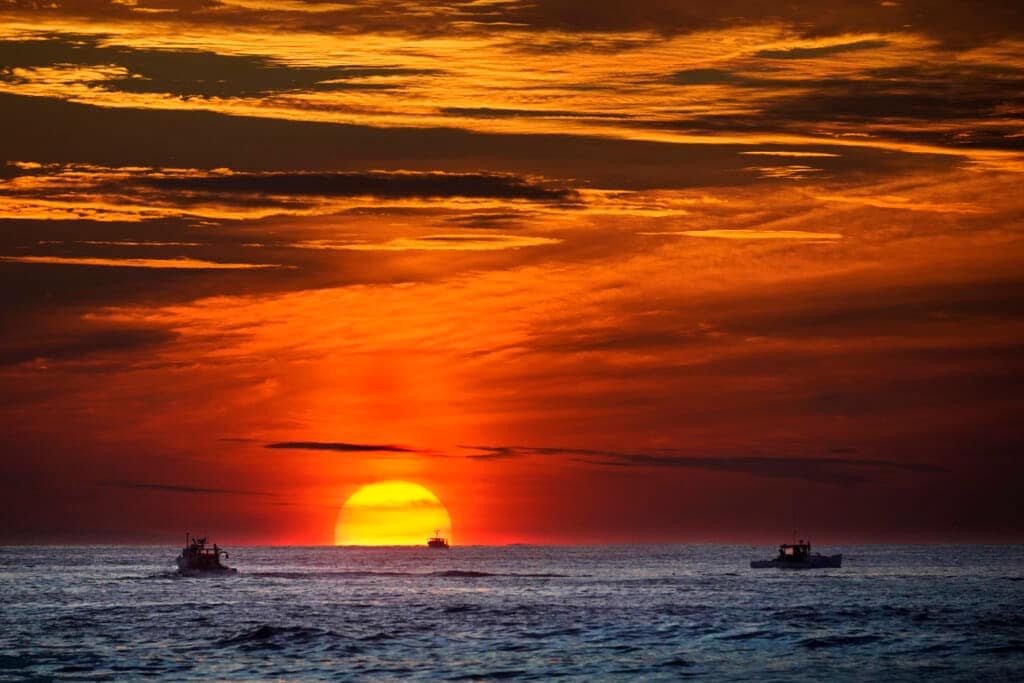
(520, 612)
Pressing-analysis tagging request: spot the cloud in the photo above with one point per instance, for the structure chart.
(489, 219)
(123, 137)
(789, 153)
(158, 263)
(829, 469)
(497, 113)
(339, 447)
(817, 312)
(789, 171)
(122, 243)
(705, 77)
(489, 242)
(956, 105)
(826, 469)
(955, 22)
(64, 344)
(902, 203)
(384, 505)
(135, 193)
(178, 488)
(386, 184)
(622, 338)
(184, 73)
(822, 51)
(756, 234)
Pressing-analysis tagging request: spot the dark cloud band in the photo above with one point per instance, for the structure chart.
(394, 185)
(177, 488)
(826, 469)
(953, 22)
(339, 447)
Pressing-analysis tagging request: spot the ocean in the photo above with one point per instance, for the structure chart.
(650, 612)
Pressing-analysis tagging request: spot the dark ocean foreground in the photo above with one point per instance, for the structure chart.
(616, 612)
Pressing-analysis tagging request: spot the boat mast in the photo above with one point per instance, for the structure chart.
(792, 506)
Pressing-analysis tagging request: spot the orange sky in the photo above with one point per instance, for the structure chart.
(639, 272)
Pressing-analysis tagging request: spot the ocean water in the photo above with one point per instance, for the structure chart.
(515, 612)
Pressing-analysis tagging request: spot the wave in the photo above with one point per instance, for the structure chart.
(462, 573)
(1008, 648)
(677, 662)
(163, 576)
(839, 641)
(492, 675)
(747, 635)
(266, 634)
(459, 609)
(9, 662)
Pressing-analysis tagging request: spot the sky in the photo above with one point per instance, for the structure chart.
(601, 272)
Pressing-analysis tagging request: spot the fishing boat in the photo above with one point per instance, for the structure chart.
(799, 556)
(436, 541)
(198, 560)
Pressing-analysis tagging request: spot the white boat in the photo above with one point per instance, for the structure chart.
(798, 556)
(198, 560)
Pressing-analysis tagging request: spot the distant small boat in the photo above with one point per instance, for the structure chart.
(436, 541)
(798, 556)
(198, 560)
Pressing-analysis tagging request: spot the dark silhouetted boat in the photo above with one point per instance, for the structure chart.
(198, 560)
(798, 556)
(436, 541)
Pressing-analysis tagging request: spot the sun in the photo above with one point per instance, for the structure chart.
(391, 513)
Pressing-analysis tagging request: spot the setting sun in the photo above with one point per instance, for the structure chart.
(391, 513)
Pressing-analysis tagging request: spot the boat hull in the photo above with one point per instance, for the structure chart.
(204, 573)
(186, 570)
(812, 562)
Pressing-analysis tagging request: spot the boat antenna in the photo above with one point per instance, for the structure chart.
(792, 505)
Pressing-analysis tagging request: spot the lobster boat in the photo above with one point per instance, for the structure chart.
(798, 556)
(197, 559)
(436, 541)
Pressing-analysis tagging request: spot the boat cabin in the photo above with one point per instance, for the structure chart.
(436, 541)
(195, 555)
(795, 552)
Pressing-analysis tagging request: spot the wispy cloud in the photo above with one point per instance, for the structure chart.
(789, 153)
(387, 184)
(158, 263)
(75, 344)
(77, 191)
(827, 468)
(753, 234)
(799, 52)
(386, 505)
(185, 72)
(180, 488)
(339, 447)
(606, 24)
(902, 203)
(786, 172)
(451, 242)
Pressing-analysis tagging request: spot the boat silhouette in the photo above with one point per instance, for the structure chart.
(436, 541)
(798, 556)
(198, 560)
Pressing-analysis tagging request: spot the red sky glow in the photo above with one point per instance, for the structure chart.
(640, 272)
